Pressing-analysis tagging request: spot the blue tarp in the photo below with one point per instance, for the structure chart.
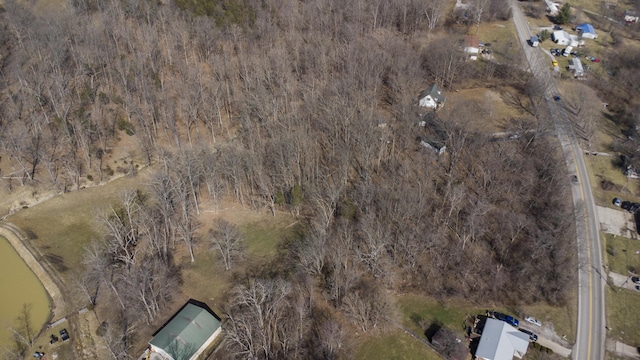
(586, 28)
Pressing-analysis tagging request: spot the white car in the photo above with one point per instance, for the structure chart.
(533, 320)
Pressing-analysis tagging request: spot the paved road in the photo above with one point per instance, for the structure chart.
(590, 331)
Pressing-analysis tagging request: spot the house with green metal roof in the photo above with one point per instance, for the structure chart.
(187, 334)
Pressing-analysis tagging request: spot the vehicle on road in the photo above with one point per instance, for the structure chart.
(506, 318)
(574, 179)
(532, 337)
(617, 202)
(556, 98)
(533, 320)
(64, 335)
(554, 63)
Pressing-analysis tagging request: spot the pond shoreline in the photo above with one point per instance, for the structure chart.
(18, 241)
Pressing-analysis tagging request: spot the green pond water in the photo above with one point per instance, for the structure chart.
(18, 286)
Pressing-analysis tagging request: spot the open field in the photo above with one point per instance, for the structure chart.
(623, 315)
(394, 345)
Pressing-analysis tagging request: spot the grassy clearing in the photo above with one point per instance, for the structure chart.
(416, 309)
(396, 345)
(501, 35)
(623, 254)
(264, 236)
(623, 315)
(62, 226)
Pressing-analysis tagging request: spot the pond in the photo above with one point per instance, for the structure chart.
(19, 286)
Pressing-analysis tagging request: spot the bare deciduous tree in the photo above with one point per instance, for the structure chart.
(227, 239)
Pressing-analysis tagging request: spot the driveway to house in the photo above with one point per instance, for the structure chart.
(590, 330)
(557, 348)
(617, 222)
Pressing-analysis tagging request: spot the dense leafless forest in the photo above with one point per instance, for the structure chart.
(307, 107)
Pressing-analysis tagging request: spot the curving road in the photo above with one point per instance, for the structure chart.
(591, 323)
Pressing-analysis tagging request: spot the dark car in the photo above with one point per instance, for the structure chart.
(557, 27)
(532, 337)
(574, 179)
(506, 318)
(626, 205)
(635, 279)
(617, 201)
(64, 335)
(556, 98)
(634, 207)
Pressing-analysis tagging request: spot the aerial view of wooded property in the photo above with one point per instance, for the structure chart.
(322, 179)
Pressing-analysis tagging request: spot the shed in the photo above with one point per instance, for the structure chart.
(501, 341)
(187, 334)
(586, 31)
(631, 16)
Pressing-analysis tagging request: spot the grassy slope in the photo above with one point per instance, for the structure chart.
(623, 315)
(65, 224)
(395, 345)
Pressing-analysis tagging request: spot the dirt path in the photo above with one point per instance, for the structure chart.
(18, 240)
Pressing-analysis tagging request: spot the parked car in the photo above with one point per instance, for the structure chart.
(617, 202)
(532, 337)
(574, 179)
(506, 318)
(626, 205)
(638, 287)
(64, 335)
(635, 279)
(557, 27)
(556, 98)
(634, 207)
(534, 320)
(554, 63)
(595, 59)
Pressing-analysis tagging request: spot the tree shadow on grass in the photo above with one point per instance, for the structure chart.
(57, 262)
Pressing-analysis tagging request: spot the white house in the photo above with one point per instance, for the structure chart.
(501, 341)
(561, 37)
(432, 97)
(472, 47)
(186, 335)
(472, 52)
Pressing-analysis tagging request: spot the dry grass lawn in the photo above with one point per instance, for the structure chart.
(623, 315)
(393, 345)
